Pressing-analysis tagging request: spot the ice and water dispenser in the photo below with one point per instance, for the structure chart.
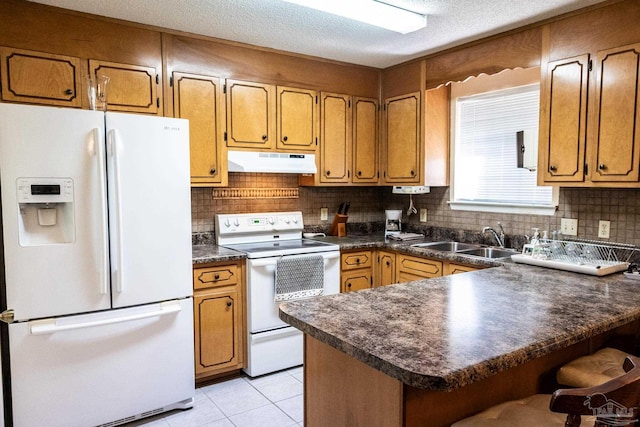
(46, 211)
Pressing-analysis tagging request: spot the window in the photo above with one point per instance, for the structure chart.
(486, 176)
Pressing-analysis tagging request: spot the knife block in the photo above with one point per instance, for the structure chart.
(339, 225)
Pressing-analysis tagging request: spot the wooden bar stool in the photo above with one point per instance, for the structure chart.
(594, 369)
(616, 401)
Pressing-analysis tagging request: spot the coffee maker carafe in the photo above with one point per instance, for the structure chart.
(393, 222)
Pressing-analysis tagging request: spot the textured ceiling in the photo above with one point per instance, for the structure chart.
(284, 26)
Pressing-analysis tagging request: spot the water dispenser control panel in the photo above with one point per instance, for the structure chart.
(45, 190)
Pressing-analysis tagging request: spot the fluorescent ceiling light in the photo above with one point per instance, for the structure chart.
(371, 12)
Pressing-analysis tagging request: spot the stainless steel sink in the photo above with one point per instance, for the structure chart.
(489, 252)
(447, 246)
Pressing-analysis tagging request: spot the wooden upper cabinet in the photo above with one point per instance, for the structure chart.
(365, 141)
(132, 88)
(616, 141)
(563, 120)
(402, 145)
(251, 110)
(40, 78)
(200, 99)
(335, 138)
(297, 119)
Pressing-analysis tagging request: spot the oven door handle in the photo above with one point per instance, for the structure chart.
(263, 262)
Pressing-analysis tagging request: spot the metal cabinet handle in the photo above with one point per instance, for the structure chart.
(68, 92)
(602, 166)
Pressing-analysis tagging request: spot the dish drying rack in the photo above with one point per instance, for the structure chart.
(580, 256)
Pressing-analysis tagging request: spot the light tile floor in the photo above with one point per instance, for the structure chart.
(273, 400)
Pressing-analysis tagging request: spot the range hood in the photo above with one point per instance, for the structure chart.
(258, 161)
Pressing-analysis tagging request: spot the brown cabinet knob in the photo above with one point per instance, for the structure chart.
(264, 137)
(212, 171)
(68, 92)
(328, 173)
(359, 173)
(413, 173)
(348, 285)
(216, 276)
(602, 167)
(229, 303)
(285, 138)
(388, 263)
(357, 260)
(552, 168)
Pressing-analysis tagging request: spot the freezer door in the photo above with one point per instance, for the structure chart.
(55, 248)
(94, 369)
(149, 208)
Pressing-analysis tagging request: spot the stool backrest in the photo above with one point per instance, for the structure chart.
(614, 403)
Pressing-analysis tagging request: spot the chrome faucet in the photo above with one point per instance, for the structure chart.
(498, 236)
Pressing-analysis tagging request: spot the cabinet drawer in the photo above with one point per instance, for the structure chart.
(223, 275)
(353, 260)
(461, 268)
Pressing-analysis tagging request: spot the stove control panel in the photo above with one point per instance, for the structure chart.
(258, 223)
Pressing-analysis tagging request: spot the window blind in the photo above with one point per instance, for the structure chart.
(485, 148)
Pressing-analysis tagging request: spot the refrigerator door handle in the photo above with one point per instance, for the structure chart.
(116, 149)
(50, 326)
(98, 150)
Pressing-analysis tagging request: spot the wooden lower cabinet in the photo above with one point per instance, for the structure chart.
(219, 323)
(410, 268)
(356, 271)
(393, 267)
(453, 268)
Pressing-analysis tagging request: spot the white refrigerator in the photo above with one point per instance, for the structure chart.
(95, 291)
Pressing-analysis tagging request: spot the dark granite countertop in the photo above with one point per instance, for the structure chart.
(206, 253)
(447, 332)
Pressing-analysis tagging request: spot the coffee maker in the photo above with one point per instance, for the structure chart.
(393, 222)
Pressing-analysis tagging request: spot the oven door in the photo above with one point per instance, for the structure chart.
(262, 310)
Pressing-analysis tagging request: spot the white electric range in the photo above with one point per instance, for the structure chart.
(272, 241)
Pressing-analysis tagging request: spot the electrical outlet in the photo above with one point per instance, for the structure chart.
(603, 229)
(324, 214)
(423, 215)
(569, 227)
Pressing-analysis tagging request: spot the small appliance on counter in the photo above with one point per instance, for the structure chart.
(392, 222)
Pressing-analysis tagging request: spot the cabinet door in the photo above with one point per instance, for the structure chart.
(297, 119)
(615, 133)
(251, 115)
(402, 139)
(200, 100)
(131, 88)
(563, 120)
(386, 268)
(40, 78)
(356, 280)
(414, 268)
(217, 330)
(365, 140)
(335, 138)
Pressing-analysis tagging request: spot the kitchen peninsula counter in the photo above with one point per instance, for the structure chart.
(435, 340)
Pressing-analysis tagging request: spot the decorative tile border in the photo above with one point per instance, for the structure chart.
(256, 193)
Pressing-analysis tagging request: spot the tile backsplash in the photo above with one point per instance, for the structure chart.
(620, 206)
